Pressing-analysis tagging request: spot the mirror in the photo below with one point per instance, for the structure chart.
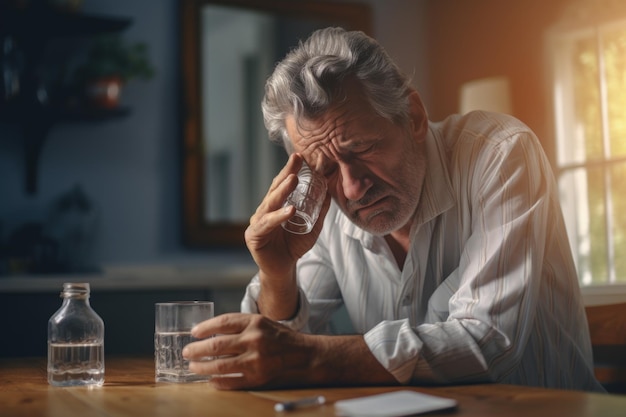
(229, 48)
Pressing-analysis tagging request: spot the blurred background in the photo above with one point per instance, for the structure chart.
(104, 196)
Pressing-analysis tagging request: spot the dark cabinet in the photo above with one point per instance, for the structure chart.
(25, 99)
(128, 316)
(128, 319)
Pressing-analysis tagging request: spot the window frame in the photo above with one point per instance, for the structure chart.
(559, 44)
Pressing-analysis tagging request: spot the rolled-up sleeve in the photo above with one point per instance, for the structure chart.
(299, 322)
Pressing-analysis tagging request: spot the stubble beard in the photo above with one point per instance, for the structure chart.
(403, 201)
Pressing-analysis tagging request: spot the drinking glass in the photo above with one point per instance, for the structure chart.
(172, 331)
(307, 198)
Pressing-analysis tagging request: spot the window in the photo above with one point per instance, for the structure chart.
(589, 92)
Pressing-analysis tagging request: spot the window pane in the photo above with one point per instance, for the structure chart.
(618, 184)
(582, 195)
(590, 111)
(588, 121)
(615, 66)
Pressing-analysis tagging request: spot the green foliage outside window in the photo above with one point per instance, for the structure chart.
(590, 73)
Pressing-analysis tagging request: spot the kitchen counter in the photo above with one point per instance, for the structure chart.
(214, 276)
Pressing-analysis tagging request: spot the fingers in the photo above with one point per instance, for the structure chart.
(246, 351)
(223, 374)
(284, 182)
(225, 371)
(225, 354)
(215, 334)
(248, 369)
(219, 336)
(263, 223)
(228, 323)
(293, 165)
(270, 213)
(221, 345)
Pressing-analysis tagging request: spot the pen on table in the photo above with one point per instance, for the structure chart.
(301, 403)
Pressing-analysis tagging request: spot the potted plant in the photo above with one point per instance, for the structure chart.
(110, 64)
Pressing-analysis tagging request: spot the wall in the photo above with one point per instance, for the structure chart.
(130, 167)
(481, 38)
(401, 27)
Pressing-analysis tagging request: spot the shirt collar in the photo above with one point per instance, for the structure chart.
(437, 195)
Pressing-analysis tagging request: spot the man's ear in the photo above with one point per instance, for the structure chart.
(417, 116)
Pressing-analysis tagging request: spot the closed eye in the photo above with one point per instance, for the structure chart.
(365, 150)
(330, 171)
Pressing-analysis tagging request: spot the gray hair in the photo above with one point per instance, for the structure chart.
(309, 80)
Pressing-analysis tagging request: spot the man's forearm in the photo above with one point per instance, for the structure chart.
(278, 298)
(345, 360)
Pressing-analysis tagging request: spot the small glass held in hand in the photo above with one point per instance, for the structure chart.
(172, 331)
(307, 198)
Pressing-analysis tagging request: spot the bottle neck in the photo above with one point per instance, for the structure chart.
(75, 291)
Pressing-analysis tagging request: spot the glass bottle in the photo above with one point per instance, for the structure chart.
(75, 340)
(11, 64)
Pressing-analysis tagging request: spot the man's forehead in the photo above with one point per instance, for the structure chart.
(344, 123)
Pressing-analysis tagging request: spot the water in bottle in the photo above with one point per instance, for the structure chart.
(75, 340)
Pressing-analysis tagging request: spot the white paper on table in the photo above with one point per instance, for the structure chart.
(393, 404)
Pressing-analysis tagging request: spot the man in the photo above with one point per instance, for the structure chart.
(444, 242)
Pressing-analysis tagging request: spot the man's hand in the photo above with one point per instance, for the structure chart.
(252, 351)
(263, 352)
(275, 250)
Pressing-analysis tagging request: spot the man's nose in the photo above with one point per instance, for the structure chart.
(354, 181)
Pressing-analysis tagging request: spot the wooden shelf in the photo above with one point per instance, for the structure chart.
(45, 24)
(89, 114)
(63, 115)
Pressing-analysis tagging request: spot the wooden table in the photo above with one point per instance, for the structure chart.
(130, 390)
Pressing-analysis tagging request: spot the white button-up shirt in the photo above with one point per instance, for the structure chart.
(488, 291)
